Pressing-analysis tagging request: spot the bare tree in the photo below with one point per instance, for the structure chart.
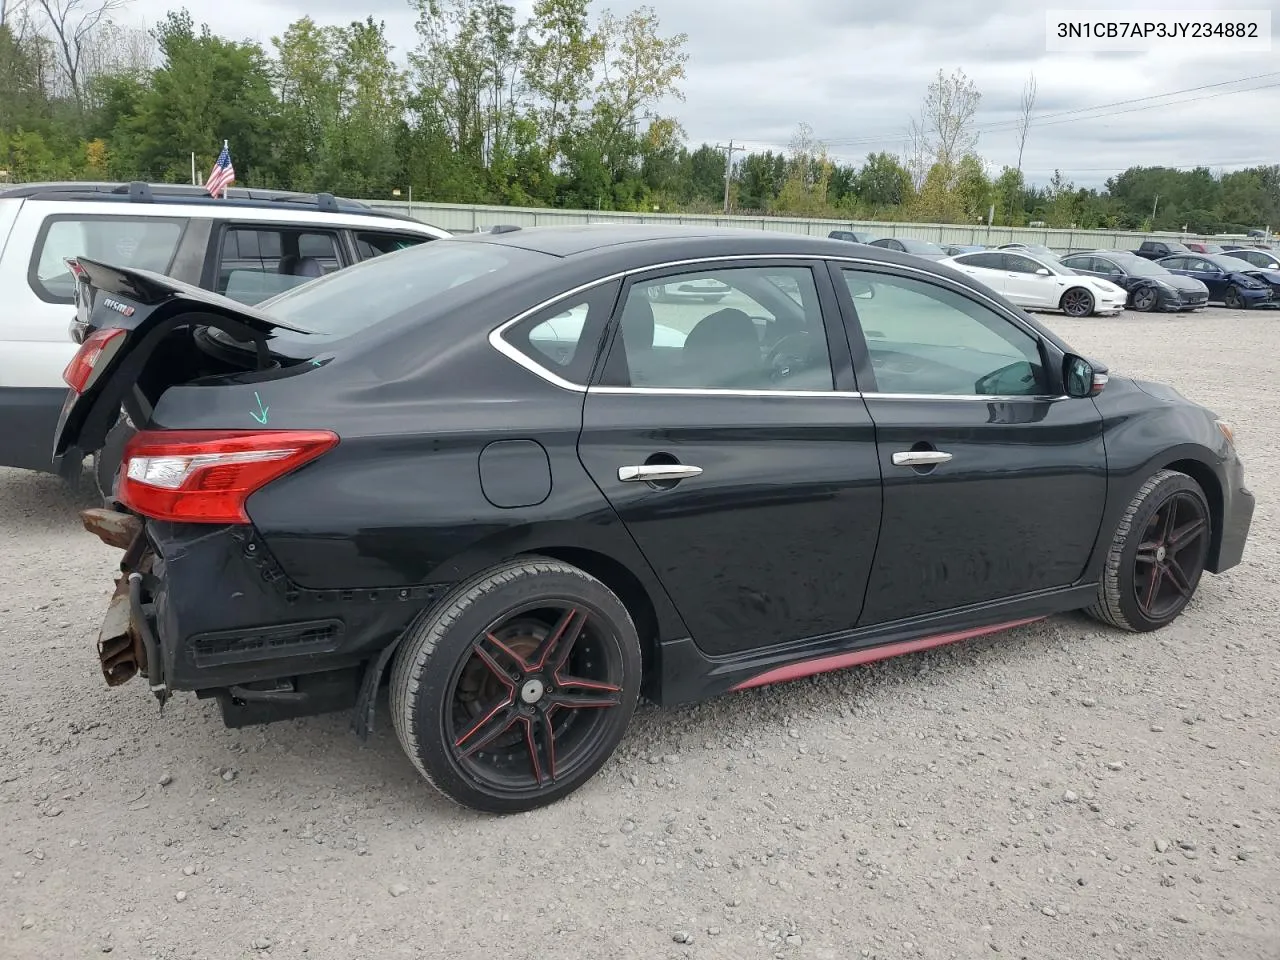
(75, 25)
(1024, 117)
(944, 132)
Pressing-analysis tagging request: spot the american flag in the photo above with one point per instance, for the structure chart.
(223, 173)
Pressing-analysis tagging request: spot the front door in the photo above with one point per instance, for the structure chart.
(993, 485)
(728, 438)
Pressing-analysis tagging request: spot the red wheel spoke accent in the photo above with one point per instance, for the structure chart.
(577, 683)
(1153, 587)
(488, 728)
(555, 649)
(500, 658)
(1178, 577)
(1187, 534)
(540, 740)
(585, 701)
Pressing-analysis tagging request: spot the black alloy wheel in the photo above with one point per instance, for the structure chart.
(1145, 299)
(514, 692)
(1157, 556)
(1077, 302)
(1233, 300)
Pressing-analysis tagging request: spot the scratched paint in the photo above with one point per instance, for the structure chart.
(261, 413)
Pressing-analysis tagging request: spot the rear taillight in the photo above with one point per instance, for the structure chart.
(206, 476)
(92, 357)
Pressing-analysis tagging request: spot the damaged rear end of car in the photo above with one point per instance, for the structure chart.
(179, 510)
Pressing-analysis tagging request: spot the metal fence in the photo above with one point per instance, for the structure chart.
(461, 218)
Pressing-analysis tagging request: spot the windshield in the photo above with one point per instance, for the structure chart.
(920, 246)
(429, 279)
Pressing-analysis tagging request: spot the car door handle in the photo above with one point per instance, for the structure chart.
(920, 458)
(649, 472)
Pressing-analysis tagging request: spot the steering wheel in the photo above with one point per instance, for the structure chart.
(789, 353)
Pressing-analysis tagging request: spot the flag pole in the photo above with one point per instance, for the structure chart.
(226, 145)
(193, 169)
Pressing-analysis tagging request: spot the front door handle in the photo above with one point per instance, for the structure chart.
(920, 458)
(650, 472)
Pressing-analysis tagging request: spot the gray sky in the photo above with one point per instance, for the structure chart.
(856, 71)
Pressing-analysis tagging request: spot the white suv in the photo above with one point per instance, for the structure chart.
(249, 245)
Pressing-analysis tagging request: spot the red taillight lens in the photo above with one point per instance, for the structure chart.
(97, 347)
(206, 476)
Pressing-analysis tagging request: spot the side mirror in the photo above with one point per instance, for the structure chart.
(1044, 272)
(1080, 379)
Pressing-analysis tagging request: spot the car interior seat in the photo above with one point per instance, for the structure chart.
(723, 350)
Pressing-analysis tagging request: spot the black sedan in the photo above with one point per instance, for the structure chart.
(494, 472)
(1151, 286)
(926, 249)
(1230, 282)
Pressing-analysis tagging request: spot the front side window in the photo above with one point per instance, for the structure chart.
(1016, 263)
(926, 339)
(740, 328)
(147, 243)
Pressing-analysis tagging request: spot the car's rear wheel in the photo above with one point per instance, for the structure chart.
(1144, 299)
(1233, 300)
(1157, 555)
(516, 689)
(1076, 302)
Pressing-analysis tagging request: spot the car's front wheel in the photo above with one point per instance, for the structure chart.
(1076, 302)
(1145, 299)
(1233, 300)
(516, 689)
(1157, 554)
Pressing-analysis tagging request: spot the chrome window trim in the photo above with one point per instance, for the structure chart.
(511, 352)
(723, 392)
(989, 398)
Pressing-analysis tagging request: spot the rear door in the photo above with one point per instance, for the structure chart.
(994, 483)
(729, 439)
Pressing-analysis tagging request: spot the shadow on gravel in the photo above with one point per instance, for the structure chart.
(33, 502)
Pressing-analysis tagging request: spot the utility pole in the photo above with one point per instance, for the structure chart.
(728, 168)
(1154, 204)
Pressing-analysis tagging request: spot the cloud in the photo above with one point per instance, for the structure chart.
(856, 71)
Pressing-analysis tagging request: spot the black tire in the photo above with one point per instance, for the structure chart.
(1232, 299)
(106, 462)
(1145, 299)
(1076, 302)
(438, 679)
(1133, 553)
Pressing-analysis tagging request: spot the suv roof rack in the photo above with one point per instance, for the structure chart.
(139, 191)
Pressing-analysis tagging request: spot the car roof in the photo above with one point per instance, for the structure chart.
(659, 240)
(238, 200)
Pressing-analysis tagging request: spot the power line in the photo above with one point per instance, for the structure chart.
(1004, 125)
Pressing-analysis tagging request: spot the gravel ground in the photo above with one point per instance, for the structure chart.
(1061, 791)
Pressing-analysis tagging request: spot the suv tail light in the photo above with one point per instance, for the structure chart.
(89, 359)
(206, 476)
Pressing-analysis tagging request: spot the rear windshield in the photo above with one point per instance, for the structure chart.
(425, 280)
(919, 246)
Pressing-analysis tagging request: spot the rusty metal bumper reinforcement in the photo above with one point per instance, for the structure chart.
(127, 643)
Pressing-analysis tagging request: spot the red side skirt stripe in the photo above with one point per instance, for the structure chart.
(838, 661)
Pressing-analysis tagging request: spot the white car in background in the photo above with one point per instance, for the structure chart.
(1041, 283)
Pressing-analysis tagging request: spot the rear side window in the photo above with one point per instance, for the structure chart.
(370, 245)
(147, 243)
(987, 261)
(564, 339)
(256, 263)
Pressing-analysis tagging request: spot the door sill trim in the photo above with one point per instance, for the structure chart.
(688, 675)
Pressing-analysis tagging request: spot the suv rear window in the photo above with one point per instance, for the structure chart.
(372, 245)
(259, 262)
(148, 243)
(428, 280)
